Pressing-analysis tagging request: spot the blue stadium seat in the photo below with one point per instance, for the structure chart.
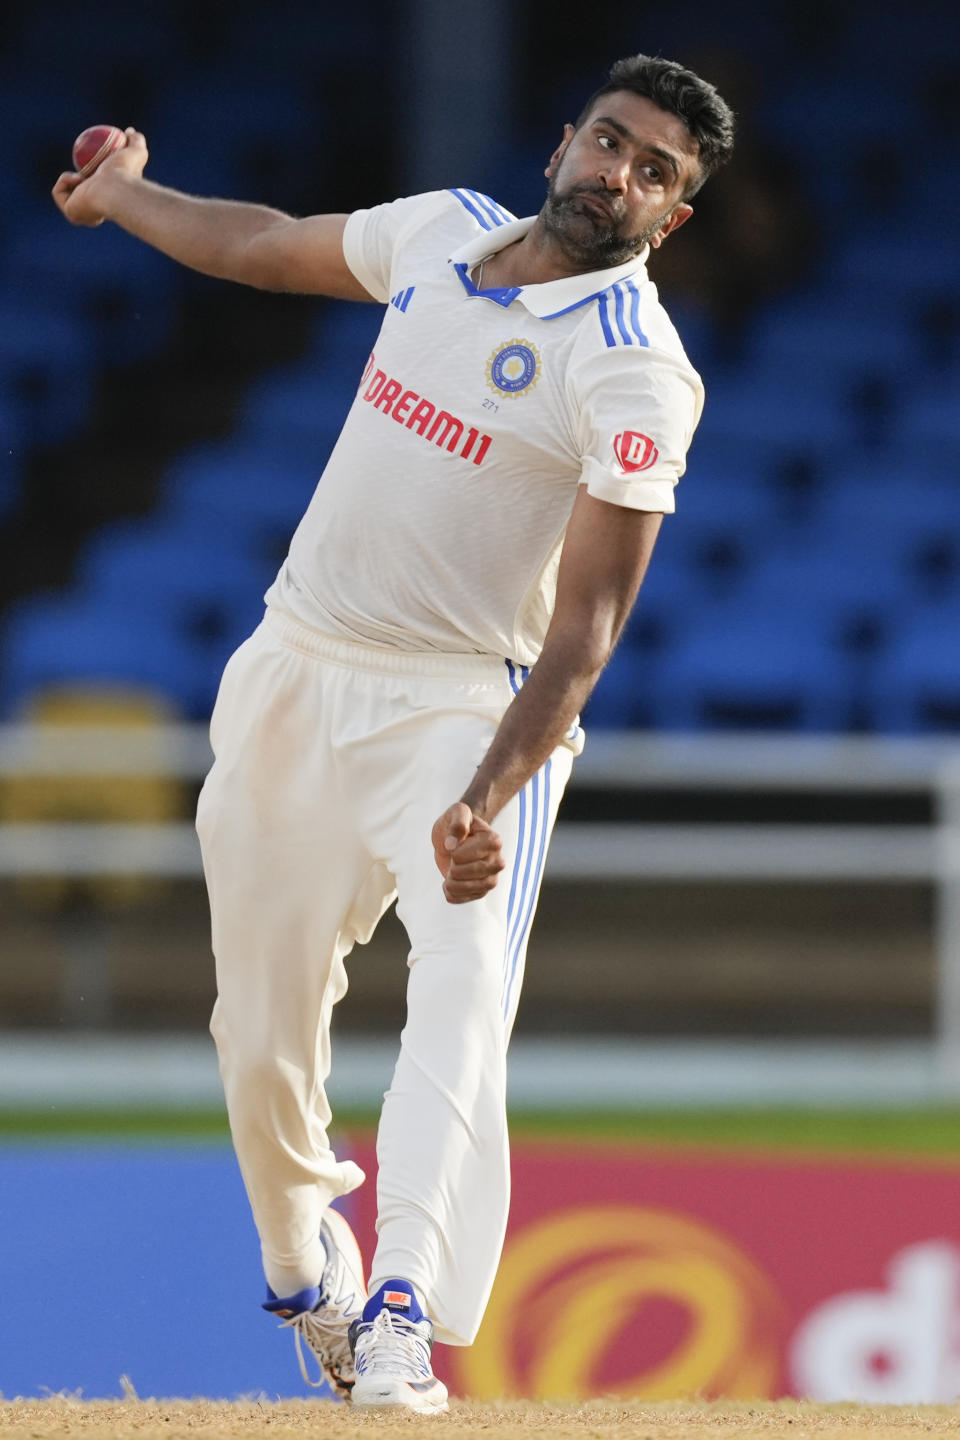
(916, 683)
(931, 418)
(297, 414)
(101, 273)
(754, 405)
(47, 369)
(63, 640)
(740, 668)
(828, 332)
(209, 595)
(343, 336)
(212, 132)
(235, 490)
(892, 265)
(819, 115)
(619, 701)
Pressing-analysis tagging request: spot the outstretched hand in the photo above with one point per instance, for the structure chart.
(82, 201)
(467, 852)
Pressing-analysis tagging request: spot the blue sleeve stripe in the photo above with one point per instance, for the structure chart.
(605, 321)
(621, 319)
(501, 210)
(497, 213)
(635, 312)
(477, 213)
(487, 205)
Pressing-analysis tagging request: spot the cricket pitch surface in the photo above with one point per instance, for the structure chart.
(130, 1419)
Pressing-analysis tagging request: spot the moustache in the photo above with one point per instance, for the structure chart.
(602, 197)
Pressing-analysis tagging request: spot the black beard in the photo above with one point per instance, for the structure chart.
(587, 237)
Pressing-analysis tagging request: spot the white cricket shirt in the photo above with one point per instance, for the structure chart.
(438, 521)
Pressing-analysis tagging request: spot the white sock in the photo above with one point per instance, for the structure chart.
(287, 1280)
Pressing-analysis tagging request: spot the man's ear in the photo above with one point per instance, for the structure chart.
(558, 154)
(678, 216)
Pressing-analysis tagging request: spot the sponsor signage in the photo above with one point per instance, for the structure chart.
(663, 1274)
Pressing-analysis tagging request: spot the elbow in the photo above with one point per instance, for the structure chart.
(587, 656)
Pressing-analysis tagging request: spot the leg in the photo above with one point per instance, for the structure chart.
(443, 1188)
(291, 889)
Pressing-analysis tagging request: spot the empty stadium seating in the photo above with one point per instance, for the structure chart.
(811, 576)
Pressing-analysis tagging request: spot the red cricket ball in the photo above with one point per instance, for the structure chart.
(93, 147)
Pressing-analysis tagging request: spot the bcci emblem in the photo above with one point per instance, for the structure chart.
(514, 368)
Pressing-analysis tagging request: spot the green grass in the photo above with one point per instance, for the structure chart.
(933, 1131)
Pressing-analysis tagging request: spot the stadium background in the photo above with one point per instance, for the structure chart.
(736, 1067)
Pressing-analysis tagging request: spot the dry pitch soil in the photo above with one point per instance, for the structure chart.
(611, 1419)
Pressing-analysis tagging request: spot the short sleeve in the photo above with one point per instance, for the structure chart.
(637, 411)
(372, 238)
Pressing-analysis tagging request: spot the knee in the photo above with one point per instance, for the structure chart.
(248, 1056)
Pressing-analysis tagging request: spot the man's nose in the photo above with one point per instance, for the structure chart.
(615, 174)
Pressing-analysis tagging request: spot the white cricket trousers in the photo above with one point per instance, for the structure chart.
(332, 762)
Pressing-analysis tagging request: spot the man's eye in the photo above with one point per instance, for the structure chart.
(607, 140)
(654, 173)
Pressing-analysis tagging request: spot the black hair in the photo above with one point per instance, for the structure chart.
(696, 102)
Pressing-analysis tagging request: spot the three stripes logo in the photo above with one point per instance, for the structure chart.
(487, 213)
(619, 311)
(533, 828)
(634, 451)
(402, 299)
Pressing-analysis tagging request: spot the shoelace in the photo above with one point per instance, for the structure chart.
(391, 1344)
(325, 1332)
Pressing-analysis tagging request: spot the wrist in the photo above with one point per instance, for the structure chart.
(477, 798)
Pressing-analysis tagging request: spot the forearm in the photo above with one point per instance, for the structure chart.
(536, 722)
(212, 236)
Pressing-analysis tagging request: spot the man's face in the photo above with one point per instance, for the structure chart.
(616, 182)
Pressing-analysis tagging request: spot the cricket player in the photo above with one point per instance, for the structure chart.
(403, 722)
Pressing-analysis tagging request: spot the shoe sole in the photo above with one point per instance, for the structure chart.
(384, 1396)
(397, 1404)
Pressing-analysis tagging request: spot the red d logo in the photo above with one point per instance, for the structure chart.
(634, 451)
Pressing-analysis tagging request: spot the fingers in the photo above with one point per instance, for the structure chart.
(467, 853)
(459, 889)
(75, 210)
(478, 842)
(474, 867)
(65, 187)
(136, 141)
(458, 821)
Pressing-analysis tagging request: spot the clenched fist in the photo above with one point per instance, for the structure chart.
(467, 852)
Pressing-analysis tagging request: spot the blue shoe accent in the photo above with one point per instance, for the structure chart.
(307, 1299)
(398, 1296)
(320, 1315)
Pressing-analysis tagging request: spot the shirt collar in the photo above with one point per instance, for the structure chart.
(552, 297)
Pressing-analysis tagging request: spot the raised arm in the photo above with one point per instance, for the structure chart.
(250, 244)
(605, 556)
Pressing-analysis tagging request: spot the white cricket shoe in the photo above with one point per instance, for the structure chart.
(321, 1316)
(392, 1342)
